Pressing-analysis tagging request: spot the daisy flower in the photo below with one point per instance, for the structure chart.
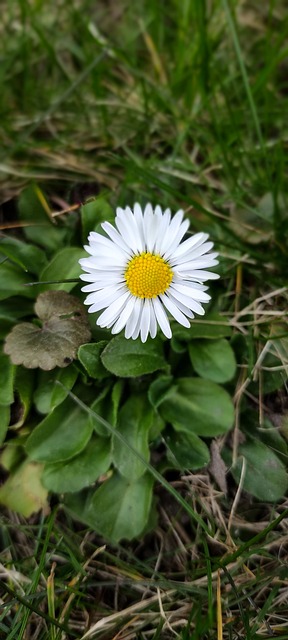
(142, 271)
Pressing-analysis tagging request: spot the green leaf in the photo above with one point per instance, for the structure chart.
(11, 456)
(4, 421)
(102, 407)
(158, 424)
(63, 434)
(178, 346)
(23, 491)
(11, 310)
(270, 380)
(265, 476)
(26, 256)
(65, 327)
(159, 389)
(119, 508)
(12, 281)
(64, 265)
(48, 393)
(211, 326)
(15, 308)
(187, 451)
(7, 371)
(198, 406)
(132, 358)
(43, 230)
(82, 470)
(106, 405)
(270, 435)
(93, 213)
(116, 396)
(89, 356)
(134, 424)
(213, 360)
(24, 384)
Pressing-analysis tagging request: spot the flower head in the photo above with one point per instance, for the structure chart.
(141, 271)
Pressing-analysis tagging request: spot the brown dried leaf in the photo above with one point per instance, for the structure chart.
(51, 304)
(217, 467)
(55, 344)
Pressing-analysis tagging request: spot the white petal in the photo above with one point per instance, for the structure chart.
(161, 318)
(133, 319)
(196, 285)
(94, 236)
(192, 254)
(163, 226)
(104, 297)
(112, 250)
(102, 262)
(158, 211)
(138, 215)
(100, 241)
(171, 231)
(135, 230)
(153, 322)
(190, 292)
(170, 248)
(195, 306)
(116, 237)
(203, 275)
(99, 279)
(145, 321)
(175, 311)
(203, 263)
(150, 226)
(123, 223)
(91, 276)
(187, 312)
(137, 329)
(187, 245)
(125, 314)
(113, 311)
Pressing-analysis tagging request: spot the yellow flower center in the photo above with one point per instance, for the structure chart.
(148, 275)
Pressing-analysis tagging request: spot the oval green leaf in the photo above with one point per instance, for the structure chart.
(89, 356)
(134, 424)
(186, 451)
(213, 359)
(49, 394)
(159, 389)
(265, 475)
(132, 358)
(119, 509)
(63, 434)
(198, 406)
(81, 471)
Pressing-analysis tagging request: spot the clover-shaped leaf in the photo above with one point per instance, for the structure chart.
(54, 344)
